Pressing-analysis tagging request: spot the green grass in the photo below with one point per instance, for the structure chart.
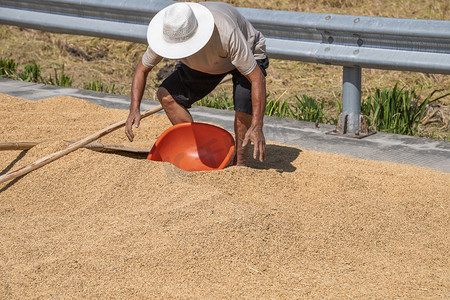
(305, 108)
(397, 110)
(99, 86)
(394, 110)
(31, 72)
(219, 101)
(7, 68)
(309, 109)
(278, 108)
(60, 80)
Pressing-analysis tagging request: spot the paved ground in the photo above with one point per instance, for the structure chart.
(380, 146)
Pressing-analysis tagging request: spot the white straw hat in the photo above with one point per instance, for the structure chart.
(180, 30)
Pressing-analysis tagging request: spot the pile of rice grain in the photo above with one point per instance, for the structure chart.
(303, 224)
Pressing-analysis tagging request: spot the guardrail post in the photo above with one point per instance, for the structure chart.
(351, 100)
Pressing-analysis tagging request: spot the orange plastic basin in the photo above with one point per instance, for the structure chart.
(194, 146)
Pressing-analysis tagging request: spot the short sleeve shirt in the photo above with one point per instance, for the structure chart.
(234, 44)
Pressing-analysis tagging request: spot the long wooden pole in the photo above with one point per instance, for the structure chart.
(17, 146)
(72, 147)
(95, 146)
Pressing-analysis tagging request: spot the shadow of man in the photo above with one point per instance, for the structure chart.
(278, 157)
(9, 167)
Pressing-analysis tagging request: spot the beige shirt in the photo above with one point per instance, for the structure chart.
(235, 43)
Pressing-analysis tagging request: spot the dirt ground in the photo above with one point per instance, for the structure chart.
(301, 225)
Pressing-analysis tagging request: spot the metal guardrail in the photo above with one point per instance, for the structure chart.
(353, 42)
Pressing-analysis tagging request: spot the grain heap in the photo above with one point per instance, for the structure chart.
(303, 224)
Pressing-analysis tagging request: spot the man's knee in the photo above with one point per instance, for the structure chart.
(164, 97)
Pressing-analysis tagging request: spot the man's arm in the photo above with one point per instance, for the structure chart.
(137, 91)
(255, 133)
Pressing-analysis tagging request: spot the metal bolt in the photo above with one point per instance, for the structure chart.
(327, 17)
(356, 52)
(360, 42)
(330, 40)
(356, 20)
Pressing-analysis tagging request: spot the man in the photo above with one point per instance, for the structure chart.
(211, 40)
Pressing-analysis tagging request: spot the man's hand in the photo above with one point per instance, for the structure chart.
(137, 91)
(255, 133)
(256, 136)
(134, 118)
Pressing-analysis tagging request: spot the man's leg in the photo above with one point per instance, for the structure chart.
(186, 86)
(242, 122)
(174, 111)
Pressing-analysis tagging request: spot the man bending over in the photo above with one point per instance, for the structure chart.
(210, 40)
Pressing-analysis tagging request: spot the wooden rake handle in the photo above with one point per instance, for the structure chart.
(95, 146)
(72, 147)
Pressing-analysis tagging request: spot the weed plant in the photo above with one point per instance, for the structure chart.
(31, 73)
(61, 80)
(305, 108)
(99, 86)
(278, 108)
(219, 101)
(7, 68)
(398, 110)
(309, 109)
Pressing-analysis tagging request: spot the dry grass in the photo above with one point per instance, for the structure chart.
(113, 62)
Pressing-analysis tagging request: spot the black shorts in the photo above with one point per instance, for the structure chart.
(188, 86)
